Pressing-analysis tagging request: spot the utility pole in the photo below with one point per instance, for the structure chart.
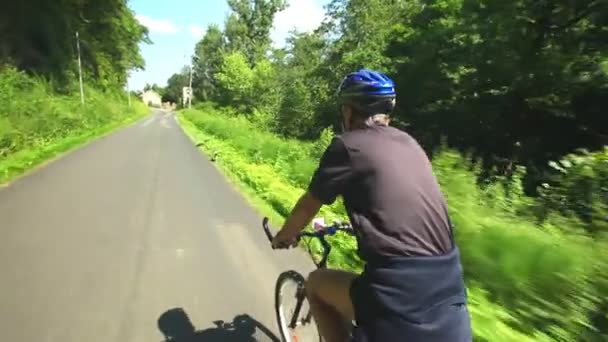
(128, 90)
(190, 86)
(188, 93)
(80, 69)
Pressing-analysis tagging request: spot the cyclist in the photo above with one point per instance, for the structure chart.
(412, 286)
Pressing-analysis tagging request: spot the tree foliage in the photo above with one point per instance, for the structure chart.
(173, 92)
(206, 62)
(248, 26)
(518, 83)
(39, 36)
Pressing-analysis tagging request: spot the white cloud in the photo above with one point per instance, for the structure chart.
(197, 31)
(157, 25)
(302, 15)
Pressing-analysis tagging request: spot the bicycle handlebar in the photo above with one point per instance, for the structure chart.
(319, 234)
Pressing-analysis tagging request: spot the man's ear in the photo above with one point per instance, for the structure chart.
(347, 114)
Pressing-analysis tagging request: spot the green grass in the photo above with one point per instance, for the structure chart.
(524, 279)
(19, 163)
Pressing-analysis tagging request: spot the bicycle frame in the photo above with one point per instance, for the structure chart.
(319, 234)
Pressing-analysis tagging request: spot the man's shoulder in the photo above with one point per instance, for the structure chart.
(370, 135)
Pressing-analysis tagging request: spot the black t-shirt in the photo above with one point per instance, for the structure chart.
(391, 195)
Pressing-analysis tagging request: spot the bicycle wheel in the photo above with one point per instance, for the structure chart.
(295, 320)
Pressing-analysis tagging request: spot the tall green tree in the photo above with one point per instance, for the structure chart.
(248, 26)
(517, 82)
(363, 28)
(173, 92)
(206, 62)
(304, 86)
(39, 37)
(154, 87)
(249, 89)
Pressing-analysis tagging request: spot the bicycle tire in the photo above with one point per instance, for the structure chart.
(283, 321)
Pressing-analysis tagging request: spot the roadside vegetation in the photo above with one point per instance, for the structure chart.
(37, 124)
(505, 97)
(41, 114)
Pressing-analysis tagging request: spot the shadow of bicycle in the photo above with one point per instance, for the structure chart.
(177, 327)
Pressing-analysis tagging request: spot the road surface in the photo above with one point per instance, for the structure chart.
(98, 244)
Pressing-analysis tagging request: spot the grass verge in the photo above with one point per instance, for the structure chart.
(24, 161)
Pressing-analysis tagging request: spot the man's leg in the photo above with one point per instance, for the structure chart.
(328, 293)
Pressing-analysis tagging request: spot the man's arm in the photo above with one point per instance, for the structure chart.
(304, 211)
(329, 180)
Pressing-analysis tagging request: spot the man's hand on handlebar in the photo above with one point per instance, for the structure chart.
(282, 242)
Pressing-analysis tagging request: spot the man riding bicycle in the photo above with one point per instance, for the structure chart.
(412, 286)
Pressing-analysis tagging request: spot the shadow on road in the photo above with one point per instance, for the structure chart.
(177, 327)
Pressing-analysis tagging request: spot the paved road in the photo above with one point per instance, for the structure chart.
(99, 244)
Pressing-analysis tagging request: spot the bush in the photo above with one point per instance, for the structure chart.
(580, 189)
(290, 157)
(543, 276)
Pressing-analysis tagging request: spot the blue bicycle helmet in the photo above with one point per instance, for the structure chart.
(368, 91)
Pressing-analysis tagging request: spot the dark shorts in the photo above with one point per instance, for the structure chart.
(448, 321)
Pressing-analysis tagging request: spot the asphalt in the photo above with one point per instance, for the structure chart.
(99, 244)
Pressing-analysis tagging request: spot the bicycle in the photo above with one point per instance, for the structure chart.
(288, 325)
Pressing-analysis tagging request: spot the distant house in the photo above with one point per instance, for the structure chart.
(151, 98)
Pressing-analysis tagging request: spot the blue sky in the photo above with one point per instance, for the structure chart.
(175, 26)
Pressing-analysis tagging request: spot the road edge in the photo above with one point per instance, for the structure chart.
(244, 190)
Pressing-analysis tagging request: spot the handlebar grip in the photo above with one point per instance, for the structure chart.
(266, 229)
